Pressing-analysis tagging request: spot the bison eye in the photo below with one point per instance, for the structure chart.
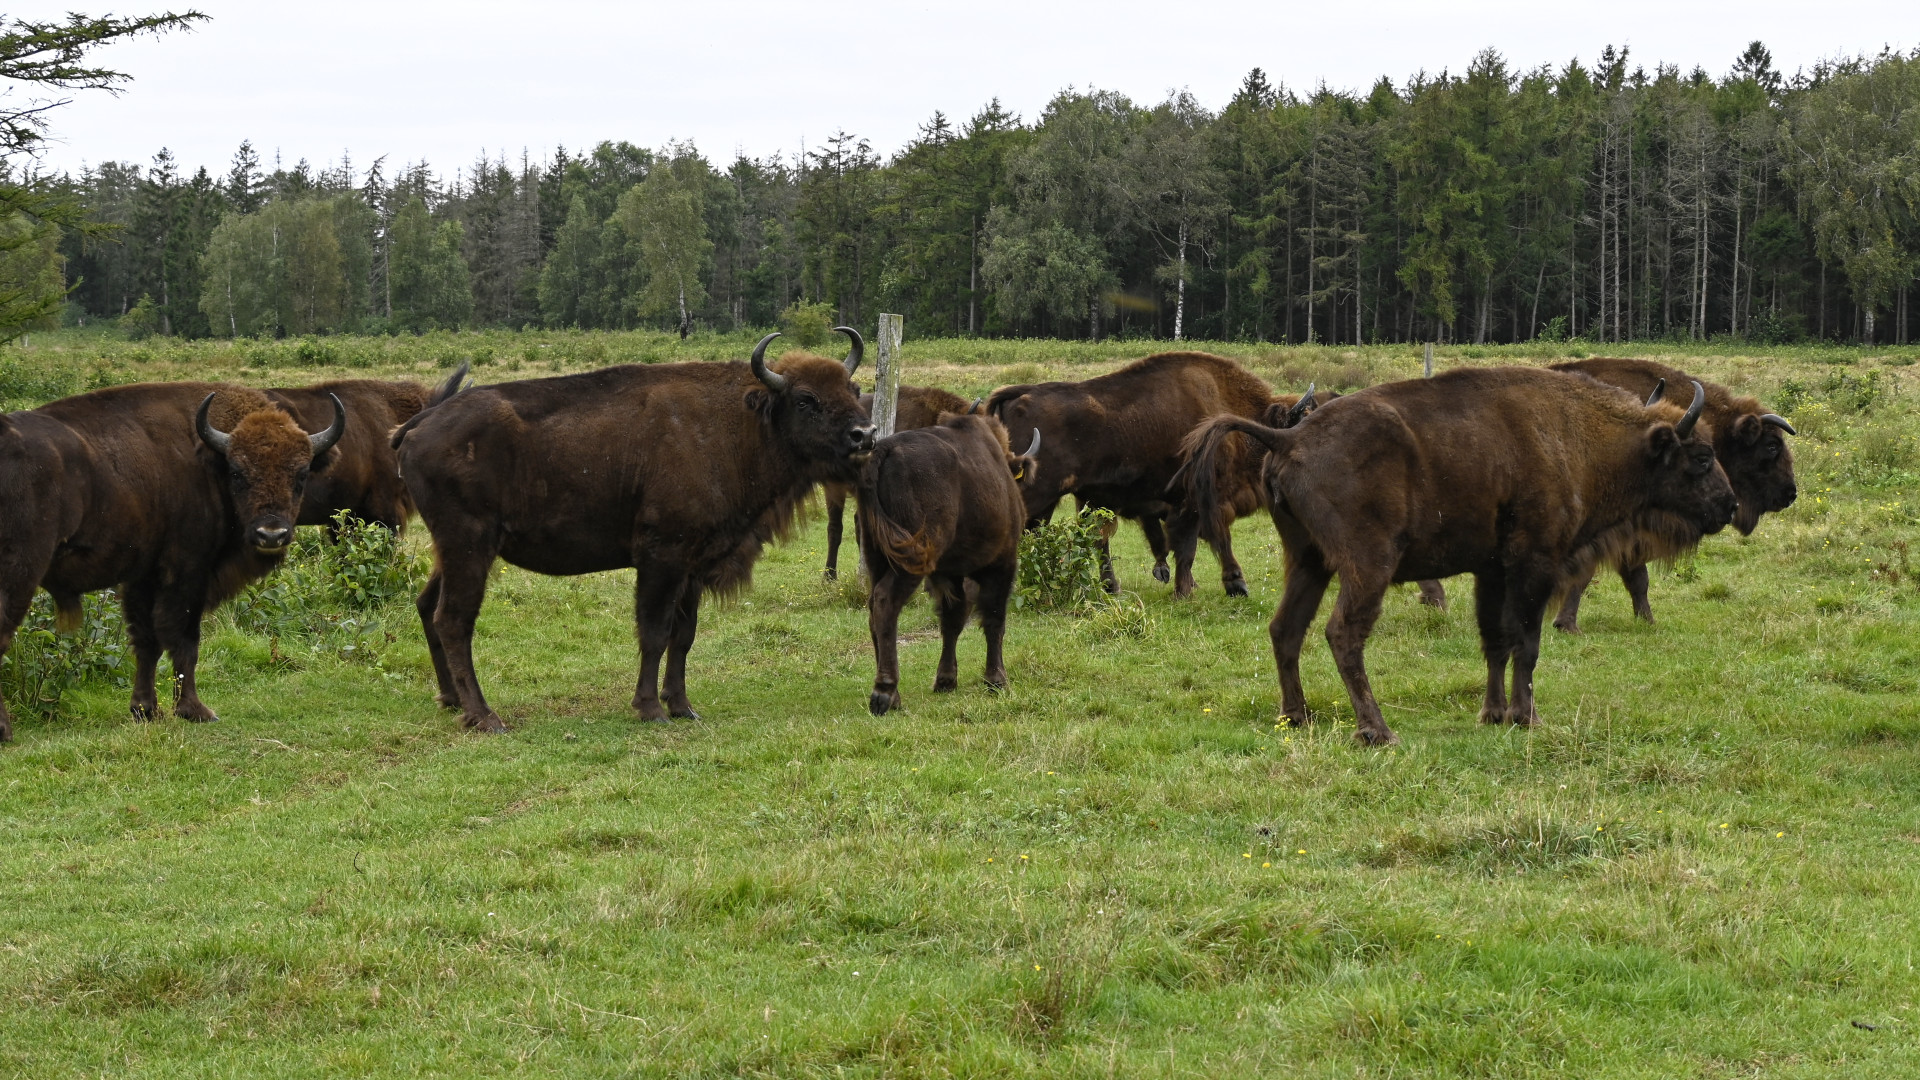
(808, 403)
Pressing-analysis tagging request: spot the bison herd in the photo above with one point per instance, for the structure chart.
(180, 494)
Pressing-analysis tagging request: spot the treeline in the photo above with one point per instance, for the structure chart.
(1603, 201)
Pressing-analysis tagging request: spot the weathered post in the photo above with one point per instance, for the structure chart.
(1429, 359)
(886, 386)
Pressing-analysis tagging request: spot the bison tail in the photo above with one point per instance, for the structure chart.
(911, 550)
(1203, 453)
(67, 615)
(448, 387)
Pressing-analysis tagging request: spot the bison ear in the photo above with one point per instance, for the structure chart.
(1747, 429)
(1275, 416)
(1662, 443)
(759, 402)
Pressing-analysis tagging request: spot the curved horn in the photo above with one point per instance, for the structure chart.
(1685, 427)
(1033, 447)
(978, 408)
(209, 434)
(852, 362)
(1778, 421)
(322, 441)
(1301, 407)
(1659, 390)
(774, 381)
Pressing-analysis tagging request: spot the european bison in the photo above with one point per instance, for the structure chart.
(178, 493)
(919, 406)
(942, 504)
(364, 478)
(682, 471)
(1517, 475)
(1749, 442)
(1114, 441)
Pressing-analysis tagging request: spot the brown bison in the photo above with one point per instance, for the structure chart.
(919, 406)
(1517, 475)
(682, 471)
(942, 504)
(177, 493)
(364, 478)
(1113, 441)
(1749, 442)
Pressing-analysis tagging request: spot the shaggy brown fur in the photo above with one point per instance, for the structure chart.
(941, 503)
(919, 406)
(1517, 475)
(115, 488)
(683, 471)
(1114, 441)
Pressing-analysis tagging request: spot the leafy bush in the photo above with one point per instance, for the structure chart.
(44, 664)
(24, 384)
(1777, 328)
(1555, 329)
(142, 320)
(1060, 563)
(807, 324)
(337, 596)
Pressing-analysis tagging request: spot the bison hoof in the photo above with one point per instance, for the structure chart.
(1567, 626)
(883, 701)
(831, 574)
(6, 730)
(1380, 736)
(684, 712)
(1520, 719)
(143, 712)
(1491, 715)
(1237, 587)
(996, 683)
(199, 715)
(487, 724)
(1161, 574)
(946, 684)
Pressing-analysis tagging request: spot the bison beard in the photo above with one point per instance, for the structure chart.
(1516, 475)
(942, 504)
(682, 471)
(178, 493)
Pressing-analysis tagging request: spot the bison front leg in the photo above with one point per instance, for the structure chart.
(836, 513)
(1183, 535)
(1433, 594)
(686, 624)
(891, 590)
(1635, 579)
(995, 589)
(427, 602)
(1496, 642)
(177, 619)
(1347, 631)
(658, 593)
(136, 604)
(1156, 533)
(14, 603)
(1307, 578)
(1568, 620)
(951, 597)
(1526, 610)
(463, 588)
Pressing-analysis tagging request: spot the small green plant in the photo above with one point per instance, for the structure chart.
(1060, 563)
(807, 323)
(313, 352)
(44, 664)
(142, 320)
(336, 595)
(1555, 329)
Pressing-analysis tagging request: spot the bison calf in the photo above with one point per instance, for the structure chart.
(942, 504)
(919, 406)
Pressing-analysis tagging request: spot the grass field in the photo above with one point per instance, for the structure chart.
(1704, 863)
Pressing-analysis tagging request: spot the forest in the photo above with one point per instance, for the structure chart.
(1599, 201)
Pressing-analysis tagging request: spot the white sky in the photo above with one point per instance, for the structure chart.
(443, 81)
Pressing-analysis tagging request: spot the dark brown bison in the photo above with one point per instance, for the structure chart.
(1749, 442)
(942, 504)
(364, 477)
(1113, 441)
(177, 493)
(919, 406)
(1517, 475)
(682, 471)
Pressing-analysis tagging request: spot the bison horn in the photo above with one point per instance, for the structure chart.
(1778, 421)
(1033, 447)
(774, 381)
(852, 362)
(1685, 427)
(212, 436)
(978, 408)
(321, 442)
(1659, 389)
(1301, 407)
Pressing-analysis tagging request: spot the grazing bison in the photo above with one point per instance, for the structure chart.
(919, 406)
(1517, 475)
(364, 478)
(1114, 441)
(177, 493)
(1749, 442)
(682, 471)
(942, 504)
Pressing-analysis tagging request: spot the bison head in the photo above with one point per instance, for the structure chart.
(268, 460)
(1686, 480)
(1753, 450)
(815, 413)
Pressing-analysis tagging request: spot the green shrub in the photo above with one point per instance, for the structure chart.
(1060, 563)
(142, 320)
(1555, 329)
(807, 324)
(44, 664)
(338, 595)
(24, 385)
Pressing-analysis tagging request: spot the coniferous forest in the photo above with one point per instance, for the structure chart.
(1604, 200)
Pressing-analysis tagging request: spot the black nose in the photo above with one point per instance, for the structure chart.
(861, 438)
(272, 537)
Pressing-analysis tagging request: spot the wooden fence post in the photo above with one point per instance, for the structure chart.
(886, 386)
(1429, 359)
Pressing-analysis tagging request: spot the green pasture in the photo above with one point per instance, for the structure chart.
(1705, 862)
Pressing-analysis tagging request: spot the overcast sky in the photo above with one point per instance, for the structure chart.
(441, 82)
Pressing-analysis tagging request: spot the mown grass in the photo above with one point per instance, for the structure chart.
(1702, 864)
